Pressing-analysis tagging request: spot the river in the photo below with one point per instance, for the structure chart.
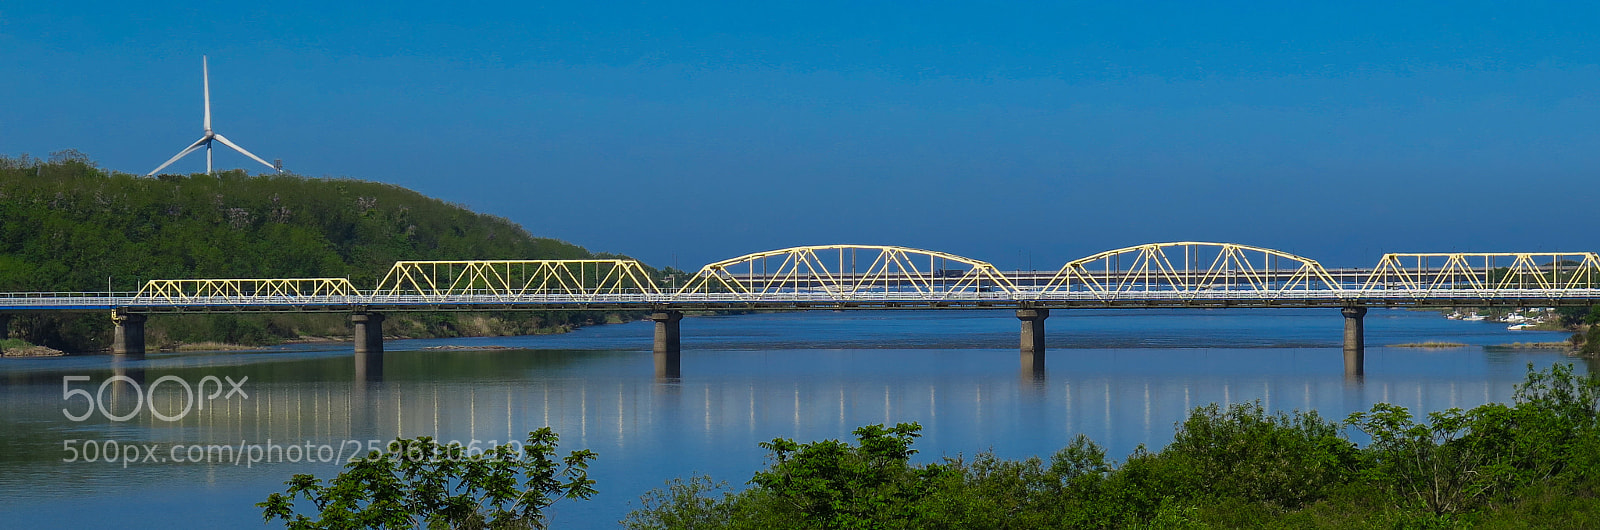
(1121, 377)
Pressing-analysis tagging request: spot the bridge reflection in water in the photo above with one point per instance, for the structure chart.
(475, 405)
(861, 277)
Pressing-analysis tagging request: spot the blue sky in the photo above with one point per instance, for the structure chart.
(1013, 134)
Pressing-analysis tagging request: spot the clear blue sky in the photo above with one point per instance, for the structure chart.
(1001, 133)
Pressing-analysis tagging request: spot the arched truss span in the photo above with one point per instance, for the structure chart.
(180, 291)
(511, 279)
(848, 272)
(1424, 272)
(1190, 269)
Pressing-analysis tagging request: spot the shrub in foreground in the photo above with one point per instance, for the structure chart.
(1534, 462)
(420, 483)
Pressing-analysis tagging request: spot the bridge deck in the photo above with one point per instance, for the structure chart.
(803, 300)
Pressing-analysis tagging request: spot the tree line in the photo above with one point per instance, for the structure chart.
(68, 225)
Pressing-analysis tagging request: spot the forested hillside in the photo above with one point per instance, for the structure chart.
(67, 225)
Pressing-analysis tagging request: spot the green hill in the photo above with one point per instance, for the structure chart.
(67, 225)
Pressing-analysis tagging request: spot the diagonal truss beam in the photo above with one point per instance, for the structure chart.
(510, 279)
(194, 290)
(846, 272)
(1428, 272)
(1189, 268)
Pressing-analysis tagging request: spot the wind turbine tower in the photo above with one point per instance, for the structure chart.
(209, 136)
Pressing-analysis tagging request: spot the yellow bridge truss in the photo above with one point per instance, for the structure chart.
(192, 290)
(847, 272)
(1486, 270)
(1182, 271)
(1191, 267)
(517, 278)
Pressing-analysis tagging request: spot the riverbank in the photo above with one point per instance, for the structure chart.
(196, 332)
(18, 348)
(1581, 322)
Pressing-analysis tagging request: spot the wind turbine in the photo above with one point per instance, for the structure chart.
(206, 139)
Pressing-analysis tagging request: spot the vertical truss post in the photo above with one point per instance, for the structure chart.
(666, 349)
(1354, 341)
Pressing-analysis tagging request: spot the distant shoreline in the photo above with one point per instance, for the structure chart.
(32, 351)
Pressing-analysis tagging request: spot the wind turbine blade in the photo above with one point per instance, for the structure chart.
(192, 147)
(241, 150)
(205, 73)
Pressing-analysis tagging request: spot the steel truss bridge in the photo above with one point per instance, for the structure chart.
(1157, 275)
(1180, 274)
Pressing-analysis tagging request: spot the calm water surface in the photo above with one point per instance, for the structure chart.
(1121, 377)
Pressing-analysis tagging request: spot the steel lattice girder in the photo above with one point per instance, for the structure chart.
(179, 290)
(840, 272)
(1178, 274)
(1200, 267)
(1478, 270)
(511, 278)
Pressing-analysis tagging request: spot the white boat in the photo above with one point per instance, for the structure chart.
(1519, 327)
(1474, 317)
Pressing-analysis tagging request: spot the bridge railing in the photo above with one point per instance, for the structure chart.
(67, 294)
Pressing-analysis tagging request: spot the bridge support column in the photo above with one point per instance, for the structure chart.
(368, 332)
(369, 345)
(5, 330)
(1354, 341)
(128, 338)
(666, 348)
(1033, 338)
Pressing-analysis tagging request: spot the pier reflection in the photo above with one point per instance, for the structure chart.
(501, 396)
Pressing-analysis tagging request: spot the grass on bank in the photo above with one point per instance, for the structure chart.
(1530, 346)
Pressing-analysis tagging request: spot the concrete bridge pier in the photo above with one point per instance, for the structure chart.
(1354, 341)
(1033, 338)
(369, 345)
(368, 332)
(5, 329)
(666, 348)
(128, 338)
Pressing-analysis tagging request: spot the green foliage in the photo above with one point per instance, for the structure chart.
(683, 503)
(1588, 341)
(67, 225)
(837, 485)
(1532, 463)
(419, 483)
(1247, 453)
(1575, 315)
